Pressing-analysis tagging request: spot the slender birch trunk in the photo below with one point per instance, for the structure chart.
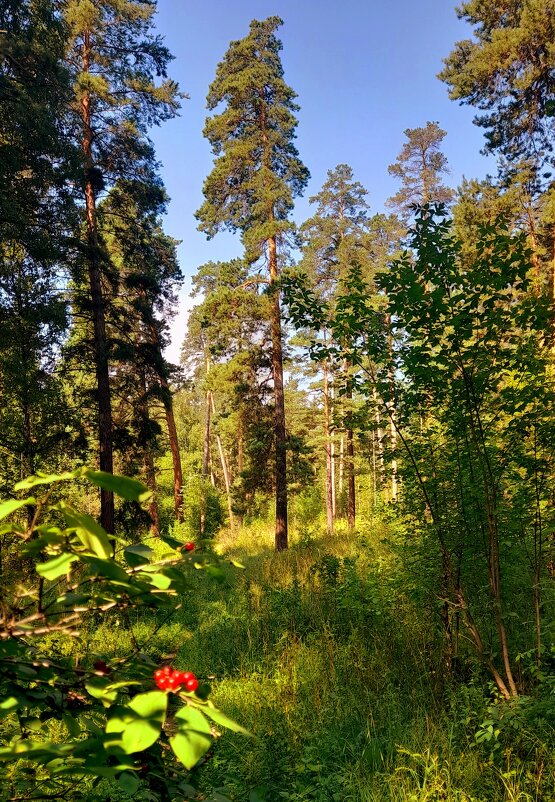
(225, 468)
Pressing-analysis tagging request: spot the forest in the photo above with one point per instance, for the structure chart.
(315, 560)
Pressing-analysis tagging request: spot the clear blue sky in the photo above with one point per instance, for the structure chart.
(364, 72)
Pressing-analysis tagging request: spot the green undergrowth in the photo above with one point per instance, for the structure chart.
(322, 654)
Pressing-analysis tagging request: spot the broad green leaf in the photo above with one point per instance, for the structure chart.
(140, 722)
(72, 725)
(89, 532)
(13, 504)
(31, 750)
(114, 686)
(138, 554)
(172, 542)
(44, 479)
(128, 782)
(223, 720)
(100, 688)
(152, 704)
(193, 737)
(8, 705)
(56, 567)
(106, 568)
(74, 599)
(159, 581)
(129, 489)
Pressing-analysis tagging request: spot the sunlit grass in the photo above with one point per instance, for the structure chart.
(321, 654)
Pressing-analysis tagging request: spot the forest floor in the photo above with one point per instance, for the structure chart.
(320, 652)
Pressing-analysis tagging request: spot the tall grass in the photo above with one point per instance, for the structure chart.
(323, 654)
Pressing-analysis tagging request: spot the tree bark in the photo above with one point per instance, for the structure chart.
(206, 440)
(351, 509)
(327, 446)
(392, 415)
(332, 455)
(350, 453)
(97, 306)
(148, 462)
(281, 535)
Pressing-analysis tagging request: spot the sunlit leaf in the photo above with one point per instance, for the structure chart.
(44, 479)
(56, 567)
(138, 554)
(223, 720)
(89, 532)
(13, 504)
(123, 486)
(8, 705)
(193, 737)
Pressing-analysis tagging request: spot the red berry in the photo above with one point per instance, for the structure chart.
(167, 670)
(159, 673)
(191, 684)
(180, 677)
(187, 675)
(173, 683)
(163, 683)
(189, 546)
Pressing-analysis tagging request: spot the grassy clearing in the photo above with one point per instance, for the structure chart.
(322, 655)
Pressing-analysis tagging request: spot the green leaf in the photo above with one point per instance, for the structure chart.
(44, 479)
(193, 737)
(100, 688)
(106, 568)
(223, 720)
(128, 782)
(72, 726)
(89, 532)
(129, 489)
(138, 554)
(56, 567)
(8, 705)
(159, 580)
(172, 542)
(140, 722)
(13, 504)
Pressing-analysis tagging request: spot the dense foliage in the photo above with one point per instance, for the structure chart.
(375, 388)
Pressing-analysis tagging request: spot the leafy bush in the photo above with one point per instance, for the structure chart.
(73, 724)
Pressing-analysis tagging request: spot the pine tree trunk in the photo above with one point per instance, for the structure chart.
(327, 446)
(148, 461)
(176, 456)
(350, 479)
(281, 536)
(97, 307)
(341, 466)
(332, 455)
(350, 462)
(392, 415)
(206, 440)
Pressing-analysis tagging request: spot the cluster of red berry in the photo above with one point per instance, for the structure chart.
(168, 679)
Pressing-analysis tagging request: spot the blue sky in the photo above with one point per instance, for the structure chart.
(364, 71)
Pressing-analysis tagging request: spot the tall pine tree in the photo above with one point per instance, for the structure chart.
(116, 61)
(257, 174)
